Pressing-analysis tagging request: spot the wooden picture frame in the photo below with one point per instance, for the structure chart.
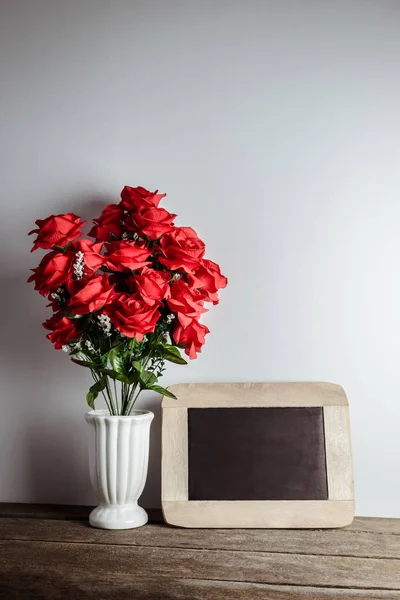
(336, 511)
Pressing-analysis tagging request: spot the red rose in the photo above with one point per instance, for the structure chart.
(151, 285)
(57, 230)
(182, 249)
(209, 279)
(64, 330)
(91, 294)
(138, 198)
(152, 222)
(57, 268)
(192, 337)
(92, 258)
(186, 303)
(109, 222)
(132, 316)
(52, 272)
(125, 256)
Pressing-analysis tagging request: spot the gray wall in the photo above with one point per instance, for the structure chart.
(274, 126)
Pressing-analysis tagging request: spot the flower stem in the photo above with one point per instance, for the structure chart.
(128, 393)
(124, 391)
(116, 395)
(108, 406)
(132, 400)
(110, 396)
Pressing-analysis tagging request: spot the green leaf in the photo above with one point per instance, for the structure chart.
(62, 248)
(171, 353)
(133, 377)
(162, 391)
(94, 391)
(95, 367)
(138, 365)
(85, 363)
(112, 374)
(117, 344)
(72, 315)
(174, 357)
(99, 386)
(147, 379)
(90, 398)
(129, 379)
(116, 361)
(170, 348)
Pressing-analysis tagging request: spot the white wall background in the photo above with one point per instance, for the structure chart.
(274, 126)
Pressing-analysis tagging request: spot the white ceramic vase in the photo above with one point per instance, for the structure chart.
(118, 457)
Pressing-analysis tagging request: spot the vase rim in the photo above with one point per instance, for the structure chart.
(136, 414)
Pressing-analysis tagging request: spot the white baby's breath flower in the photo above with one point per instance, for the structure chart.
(57, 295)
(65, 348)
(79, 265)
(104, 324)
(170, 318)
(130, 236)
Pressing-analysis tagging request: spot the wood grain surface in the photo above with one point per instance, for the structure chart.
(203, 395)
(273, 514)
(56, 554)
(338, 453)
(174, 451)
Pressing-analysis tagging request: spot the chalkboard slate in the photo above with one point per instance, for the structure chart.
(256, 454)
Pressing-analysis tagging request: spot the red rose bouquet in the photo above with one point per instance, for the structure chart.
(125, 303)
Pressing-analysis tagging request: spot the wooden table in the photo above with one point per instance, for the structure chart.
(50, 552)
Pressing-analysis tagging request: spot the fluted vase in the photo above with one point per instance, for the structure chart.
(118, 458)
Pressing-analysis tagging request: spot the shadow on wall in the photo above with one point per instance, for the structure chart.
(43, 435)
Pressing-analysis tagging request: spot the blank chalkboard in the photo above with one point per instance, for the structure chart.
(257, 455)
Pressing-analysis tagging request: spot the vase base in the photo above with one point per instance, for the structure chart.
(126, 516)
